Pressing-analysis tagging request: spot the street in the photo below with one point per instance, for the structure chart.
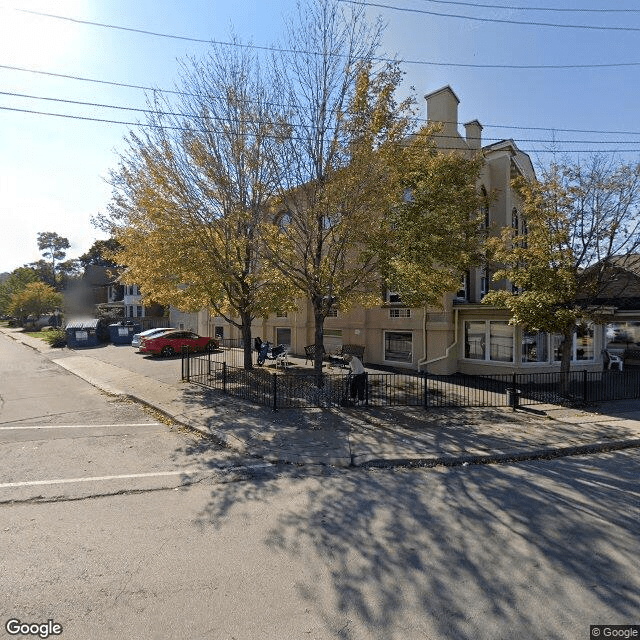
(116, 525)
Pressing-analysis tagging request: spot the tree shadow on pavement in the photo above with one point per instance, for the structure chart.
(537, 550)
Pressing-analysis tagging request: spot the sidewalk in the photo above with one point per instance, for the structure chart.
(356, 436)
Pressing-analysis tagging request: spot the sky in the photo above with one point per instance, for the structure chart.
(550, 88)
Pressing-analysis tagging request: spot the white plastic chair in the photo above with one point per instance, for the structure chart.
(282, 360)
(614, 358)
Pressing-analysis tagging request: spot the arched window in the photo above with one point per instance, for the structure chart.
(485, 208)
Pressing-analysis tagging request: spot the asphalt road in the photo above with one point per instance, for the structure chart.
(243, 550)
(60, 437)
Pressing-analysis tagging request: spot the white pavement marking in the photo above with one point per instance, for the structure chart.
(129, 476)
(80, 426)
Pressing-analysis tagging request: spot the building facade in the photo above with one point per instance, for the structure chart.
(464, 335)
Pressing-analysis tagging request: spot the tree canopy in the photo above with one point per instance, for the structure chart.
(35, 299)
(580, 216)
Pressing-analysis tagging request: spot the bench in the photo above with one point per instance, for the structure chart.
(310, 353)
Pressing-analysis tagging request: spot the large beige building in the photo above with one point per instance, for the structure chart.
(463, 336)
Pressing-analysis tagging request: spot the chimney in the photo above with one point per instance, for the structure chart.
(442, 106)
(474, 135)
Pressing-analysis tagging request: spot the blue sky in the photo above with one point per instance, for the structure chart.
(53, 169)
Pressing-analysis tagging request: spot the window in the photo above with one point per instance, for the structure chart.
(139, 311)
(535, 347)
(501, 341)
(498, 335)
(399, 313)
(486, 221)
(475, 339)
(218, 332)
(515, 225)
(584, 342)
(332, 313)
(485, 279)
(283, 336)
(393, 297)
(463, 292)
(398, 346)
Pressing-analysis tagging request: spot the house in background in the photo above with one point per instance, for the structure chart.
(464, 335)
(98, 286)
(148, 316)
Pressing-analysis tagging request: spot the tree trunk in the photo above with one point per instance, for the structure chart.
(319, 339)
(566, 347)
(247, 342)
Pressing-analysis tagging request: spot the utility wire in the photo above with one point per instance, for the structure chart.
(291, 124)
(158, 34)
(512, 8)
(303, 139)
(185, 93)
(366, 3)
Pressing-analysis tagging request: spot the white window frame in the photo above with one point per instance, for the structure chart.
(400, 312)
(487, 343)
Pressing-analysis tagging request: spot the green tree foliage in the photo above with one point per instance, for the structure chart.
(580, 218)
(53, 248)
(35, 299)
(434, 232)
(16, 282)
(100, 254)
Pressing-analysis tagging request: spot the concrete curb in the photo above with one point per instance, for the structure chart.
(514, 456)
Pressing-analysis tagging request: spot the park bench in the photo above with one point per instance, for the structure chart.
(310, 353)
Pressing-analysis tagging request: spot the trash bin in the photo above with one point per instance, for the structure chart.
(513, 397)
(83, 332)
(122, 332)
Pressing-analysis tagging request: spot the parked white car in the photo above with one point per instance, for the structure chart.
(149, 333)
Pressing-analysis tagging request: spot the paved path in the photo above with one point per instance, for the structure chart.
(357, 436)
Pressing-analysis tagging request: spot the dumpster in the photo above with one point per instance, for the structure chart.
(122, 332)
(84, 332)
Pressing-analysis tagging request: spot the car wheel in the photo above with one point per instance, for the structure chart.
(211, 346)
(167, 351)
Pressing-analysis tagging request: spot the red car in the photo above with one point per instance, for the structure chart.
(172, 342)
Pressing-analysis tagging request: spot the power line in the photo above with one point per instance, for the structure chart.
(95, 80)
(275, 136)
(367, 3)
(295, 125)
(512, 8)
(185, 93)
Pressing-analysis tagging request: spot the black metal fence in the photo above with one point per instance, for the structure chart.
(300, 389)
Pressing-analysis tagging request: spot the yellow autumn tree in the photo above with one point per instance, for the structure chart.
(582, 218)
(191, 192)
(35, 299)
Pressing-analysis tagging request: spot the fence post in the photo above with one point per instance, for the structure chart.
(185, 359)
(514, 391)
(224, 377)
(425, 390)
(585, 386)
(209, 363)
(275, 391)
